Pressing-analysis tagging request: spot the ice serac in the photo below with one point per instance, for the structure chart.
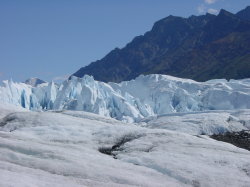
(167, 94)
(89, 95)
(45, 96)
(19, 94)
(130, 100)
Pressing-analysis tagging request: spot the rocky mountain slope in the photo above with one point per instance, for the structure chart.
(199, 47)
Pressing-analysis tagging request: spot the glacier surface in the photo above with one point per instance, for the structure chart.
(51, 135)
(130, 101)
(61, 148)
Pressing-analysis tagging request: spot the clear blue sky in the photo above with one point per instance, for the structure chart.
(50, 39)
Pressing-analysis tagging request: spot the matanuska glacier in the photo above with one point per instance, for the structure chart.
(50, 136)
(133, 100)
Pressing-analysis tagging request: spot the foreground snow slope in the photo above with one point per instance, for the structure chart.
(61, 149)
(131, 100)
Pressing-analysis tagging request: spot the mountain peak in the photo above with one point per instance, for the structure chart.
(244, 14)
(167, 19)
(247, 8)
(34, 81)
(224, 12)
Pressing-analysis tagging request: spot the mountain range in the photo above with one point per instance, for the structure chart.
(198, 47)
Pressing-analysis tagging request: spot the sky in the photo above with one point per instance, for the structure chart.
(51, 39)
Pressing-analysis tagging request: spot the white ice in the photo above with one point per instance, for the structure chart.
(133, 100)
(60, 148)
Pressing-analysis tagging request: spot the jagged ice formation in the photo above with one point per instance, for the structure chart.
(130, 100)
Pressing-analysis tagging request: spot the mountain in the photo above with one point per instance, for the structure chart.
(199, 47)
(244, 14)
(130, 101)
(34, 82)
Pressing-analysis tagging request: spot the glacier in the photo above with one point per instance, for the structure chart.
(56, 134)
(130, 101)
(62, 148)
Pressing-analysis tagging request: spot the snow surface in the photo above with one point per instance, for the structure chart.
(133, 100)
(60, 148)
(49, 138)
(198, 123)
